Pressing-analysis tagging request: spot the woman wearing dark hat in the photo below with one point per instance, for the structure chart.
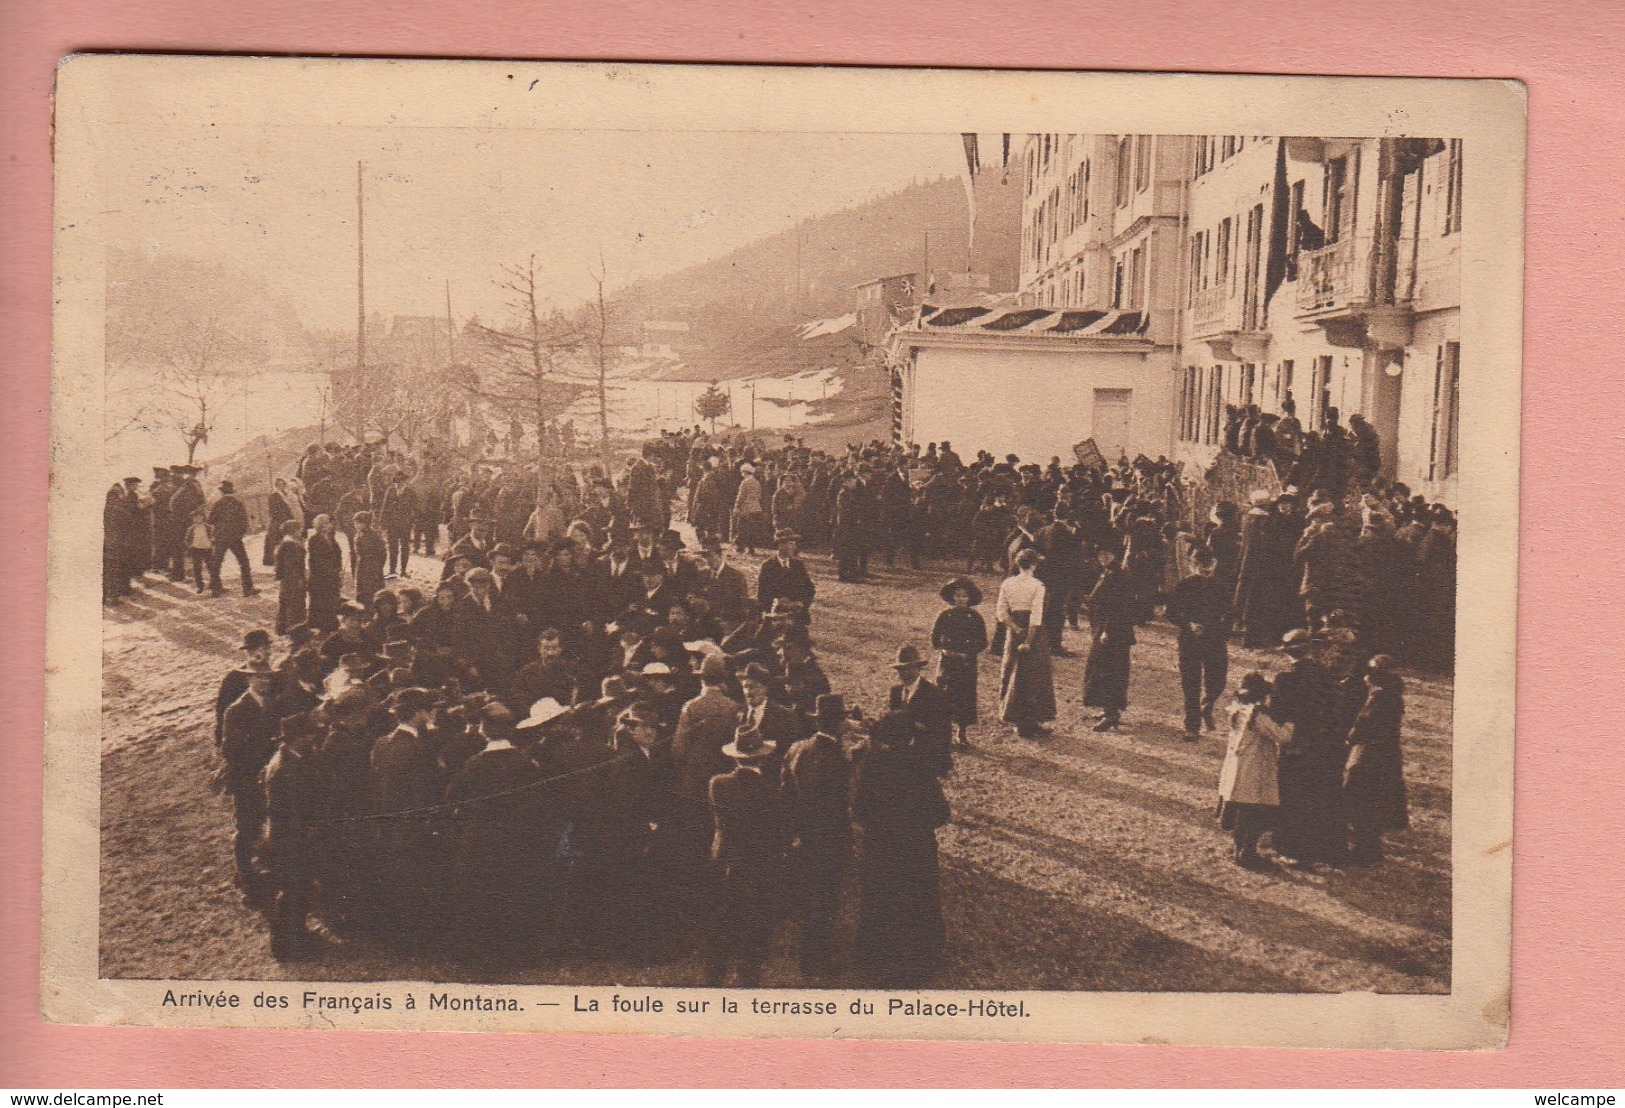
(1373, 777)
(1026, 682)
(959, 635)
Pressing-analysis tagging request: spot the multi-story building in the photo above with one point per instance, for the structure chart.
(1087, 348)
(1325, 271)
(1165, 277)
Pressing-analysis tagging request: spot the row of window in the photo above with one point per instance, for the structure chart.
(1215, 150)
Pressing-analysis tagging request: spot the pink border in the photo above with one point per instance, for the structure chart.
(1568, 956)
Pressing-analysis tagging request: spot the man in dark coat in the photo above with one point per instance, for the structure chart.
(917, 700)
(706, 724)
(398, 515)
(1114, 608)
(186, 499)
(899, 805)
(406, 778)
(296, 796)
(748, 855)
(1199, 606)
(815, 784)
(500, 884)
(850, 529)
(724, 586)
(256, 650)
(1062, 573)
(228, 523)
(784, 576)
(249, 739)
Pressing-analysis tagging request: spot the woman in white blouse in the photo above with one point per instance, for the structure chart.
(1026, 683)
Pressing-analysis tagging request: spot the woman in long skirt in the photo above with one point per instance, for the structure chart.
(290, 575)
(959, 635)
(1026, 682)
(326, 578)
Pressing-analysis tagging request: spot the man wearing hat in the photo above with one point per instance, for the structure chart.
(725, 586)
(296, 797)
(398, 514)
(503, 842)
(784, 576)
(776, 723)
(815, 783)
(704, 726)
(747, 853)
(406, 778)
(923, 705)
(186, 498)
(1113, 608)
(800, 674)
(256, 649)
(749, 512)
(249, 738)
(1199, 606)
(228, 522)
(483, 629)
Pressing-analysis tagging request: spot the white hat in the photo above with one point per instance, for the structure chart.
(543, 711)
(703, 647)
(655, 669)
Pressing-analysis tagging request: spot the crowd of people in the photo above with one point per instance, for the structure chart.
(586, 736)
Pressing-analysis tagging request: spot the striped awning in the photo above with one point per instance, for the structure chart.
(1071, 322)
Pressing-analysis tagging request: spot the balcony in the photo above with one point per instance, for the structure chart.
(1338, 290)
(1219, 318)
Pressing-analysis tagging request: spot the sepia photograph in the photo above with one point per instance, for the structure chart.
(946, 562)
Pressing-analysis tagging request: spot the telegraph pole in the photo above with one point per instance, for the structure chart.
(360, 280)
(451, 330)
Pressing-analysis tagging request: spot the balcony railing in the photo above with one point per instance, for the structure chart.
(1335, 276)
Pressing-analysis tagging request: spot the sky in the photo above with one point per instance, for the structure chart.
(460, 203)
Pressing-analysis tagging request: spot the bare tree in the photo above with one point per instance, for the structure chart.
(197, 357)
(598, 340)
(522, 363)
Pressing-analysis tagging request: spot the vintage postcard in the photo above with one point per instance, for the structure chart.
(733, 551)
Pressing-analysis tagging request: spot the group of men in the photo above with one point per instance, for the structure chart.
(626, 750)
(171, 527)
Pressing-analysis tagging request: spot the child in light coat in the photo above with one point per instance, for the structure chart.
(1249, 791)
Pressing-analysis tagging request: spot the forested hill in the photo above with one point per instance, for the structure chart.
(744, 309)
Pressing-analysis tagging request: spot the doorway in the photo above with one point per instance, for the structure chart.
(1110, 425)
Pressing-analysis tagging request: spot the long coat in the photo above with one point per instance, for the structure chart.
(1251, 760)
(899, 805)
(960, 635)
(1265, 602)
(290, 575)
(1113, 606)
(1374, 776)
(325, 581)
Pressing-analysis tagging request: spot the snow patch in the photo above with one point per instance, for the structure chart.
(835, 326)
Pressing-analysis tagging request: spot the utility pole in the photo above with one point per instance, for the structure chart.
(360, 287)
(925, 265)
(753, 405)
(798, 305)
(451, 329)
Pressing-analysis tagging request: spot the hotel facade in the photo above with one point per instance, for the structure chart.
(1165, 277)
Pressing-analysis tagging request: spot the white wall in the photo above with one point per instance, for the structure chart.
(1416, 401)
(1034, 403)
